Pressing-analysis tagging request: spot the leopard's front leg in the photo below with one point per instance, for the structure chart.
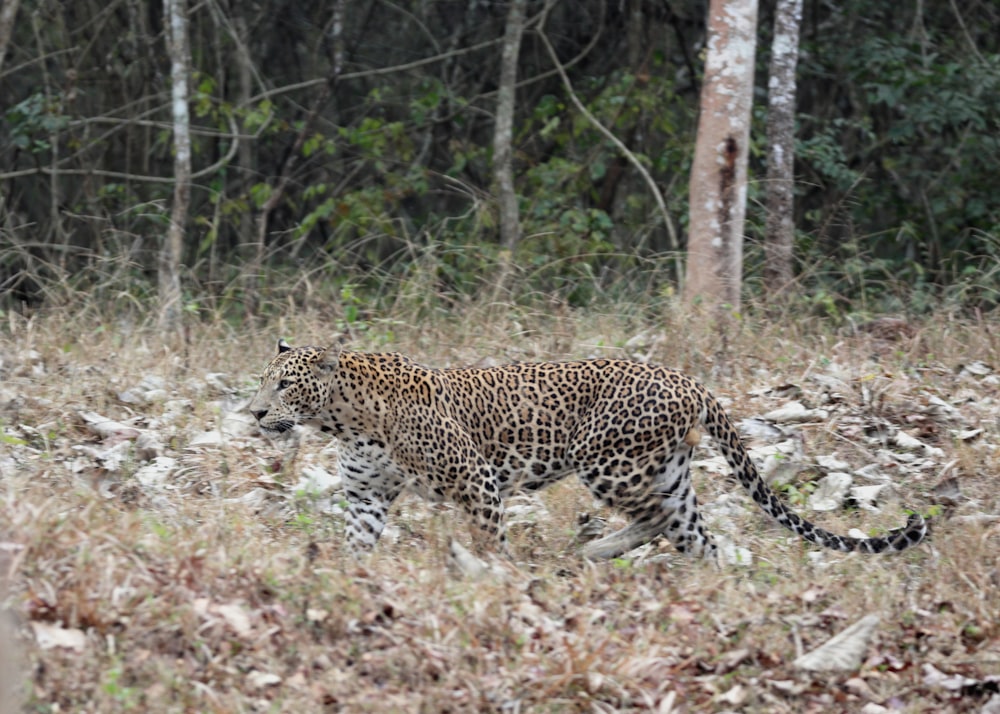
(370, 487)
(364, 522)
(478, 492)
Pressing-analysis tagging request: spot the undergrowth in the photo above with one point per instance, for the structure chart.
(197, 597)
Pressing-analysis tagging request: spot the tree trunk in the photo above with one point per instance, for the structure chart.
(719, 172)
(781, 147)
(252, 274)
(503, 169)
(244, 74)
(8, 13)
(172, 250)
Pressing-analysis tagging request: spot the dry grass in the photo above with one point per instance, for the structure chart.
(223, 590)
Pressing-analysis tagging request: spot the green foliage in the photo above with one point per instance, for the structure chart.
(797, 496)
(33, 122)
(258, 116)
(903, 213)
(824, 150)
(127, 697)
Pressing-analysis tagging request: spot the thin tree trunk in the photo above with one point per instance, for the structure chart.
(252, 275)
(634, 39)
(503, 169)
(8, 13)
(780, 233)
(719, 172)
(247, 148)
(172, 250)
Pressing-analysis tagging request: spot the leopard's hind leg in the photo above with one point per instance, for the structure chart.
(660, 501)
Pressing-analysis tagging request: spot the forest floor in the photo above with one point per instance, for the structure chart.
(158, 554)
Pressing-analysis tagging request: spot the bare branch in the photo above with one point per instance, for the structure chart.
(405, 67)
(8, 13)
(125, 176)
(337, 21)
(607, 134)
(965, 32)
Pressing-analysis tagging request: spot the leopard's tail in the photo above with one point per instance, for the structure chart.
(717, 424)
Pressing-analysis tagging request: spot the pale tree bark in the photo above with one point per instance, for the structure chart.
(171, 252)
(503, 169)
(8, 12)
(244, 75)
(719, 172)
(780, 232)
(634, 34)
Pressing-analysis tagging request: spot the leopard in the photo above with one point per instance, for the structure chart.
(475, 436)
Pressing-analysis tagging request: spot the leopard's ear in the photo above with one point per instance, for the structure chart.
(329, 358)
(283, 346)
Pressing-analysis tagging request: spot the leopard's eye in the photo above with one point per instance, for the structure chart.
(284, 384)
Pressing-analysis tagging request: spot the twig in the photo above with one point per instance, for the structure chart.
(379, 71)
(48, 171)
(285, 172)
(965, 31)
(672, 233)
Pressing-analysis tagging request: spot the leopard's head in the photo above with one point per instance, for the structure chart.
(294, 387)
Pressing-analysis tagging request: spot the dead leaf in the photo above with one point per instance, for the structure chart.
(236, 617)
(472, 567)
(213, 437)
(157, 472)
(812, 595)
(731, 660)
(869, 497)
(948, 492)
(860, 688)
(829, 462)
(843, 651)
(108, 428)
(976, 368)
(830, 492)
(788, 687)
(48, 636)
(262, 680)
(148, 446)
(781, 462)
(469, 565)
(233, 614)
(110, 458)
(873, 708)
(736, 696)
(967, 434)
(316, 615)
(934, 677)
(666, 705)
(795, 412)
(757, 428)
(682, 613)
(905, 441)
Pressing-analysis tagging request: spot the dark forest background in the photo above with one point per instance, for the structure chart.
(898, 140)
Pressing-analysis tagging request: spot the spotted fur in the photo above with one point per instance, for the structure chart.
(476, 435)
